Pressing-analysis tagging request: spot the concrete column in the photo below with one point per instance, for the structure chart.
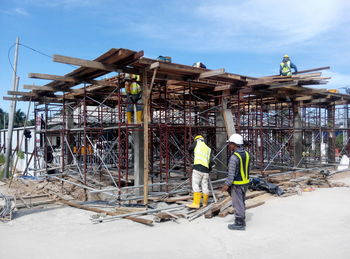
(138, 160)
(69, 124)
(221, 138)
(297, 135)
(331, 133)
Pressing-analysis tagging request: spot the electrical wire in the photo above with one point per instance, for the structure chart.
(28, 47)
(8, 56)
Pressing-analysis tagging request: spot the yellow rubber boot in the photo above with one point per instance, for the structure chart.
(205, 199)
(129, 117)
(196, 201)
(139, 117)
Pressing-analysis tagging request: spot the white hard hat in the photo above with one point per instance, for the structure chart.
(236, 138)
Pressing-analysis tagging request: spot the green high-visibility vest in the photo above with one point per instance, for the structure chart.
(286, 69)
(202, 154)
(243, 169)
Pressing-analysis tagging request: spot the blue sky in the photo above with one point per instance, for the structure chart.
(246, 37)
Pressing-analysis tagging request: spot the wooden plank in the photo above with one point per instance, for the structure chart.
(53, 77)
(304, 98)
(110, 213)
(285, 86)
(85, 63)
(29, 94)
(211, 73)
(40, 87)
(7, 98)
(154, 65)
(222, 88)
(250, 204)
(313, 69)
(216, 207)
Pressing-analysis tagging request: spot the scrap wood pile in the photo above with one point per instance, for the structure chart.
(304, 181)
(173, 208)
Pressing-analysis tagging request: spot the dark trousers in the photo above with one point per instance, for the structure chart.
(238, 199)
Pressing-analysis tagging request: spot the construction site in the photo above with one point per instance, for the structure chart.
(87, 155)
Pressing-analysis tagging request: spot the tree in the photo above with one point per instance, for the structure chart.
(3, 119)
(19, 119)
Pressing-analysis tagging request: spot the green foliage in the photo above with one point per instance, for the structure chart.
(2, 159)
(339, 141)
(18, 120)
(20, 154)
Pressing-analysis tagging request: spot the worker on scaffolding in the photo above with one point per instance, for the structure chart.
(286, 66)
(202, 165)
(134, 97)
(237, 180)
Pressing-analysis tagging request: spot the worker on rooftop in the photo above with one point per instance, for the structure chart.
(134, 97)
(202, 165)
(237, 179)
(199, 64)
(286, 66)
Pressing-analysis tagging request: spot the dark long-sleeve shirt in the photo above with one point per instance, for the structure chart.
(233, 167)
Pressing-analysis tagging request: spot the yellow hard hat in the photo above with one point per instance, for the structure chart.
(135, 77)
(198, 137)
(286, 56)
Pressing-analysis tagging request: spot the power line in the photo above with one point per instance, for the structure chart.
(35, 50)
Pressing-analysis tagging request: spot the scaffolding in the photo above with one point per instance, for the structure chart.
(84, 134)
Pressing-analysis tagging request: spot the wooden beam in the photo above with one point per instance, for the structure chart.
(154, 65)
(85, 63)
(147, 90)
(53, 77)
(314, 69)
(304, 98)
(40, 87)
(8, 98)
(222, 88)
(29, 94)
(101, 82)
(211, 73)
(110, 213)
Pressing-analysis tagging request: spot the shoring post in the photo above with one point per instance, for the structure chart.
(8, 152)
(85, 133)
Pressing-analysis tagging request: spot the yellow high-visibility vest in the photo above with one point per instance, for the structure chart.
(202, 154)
(243, 168)
(286, 69)
(133, 88)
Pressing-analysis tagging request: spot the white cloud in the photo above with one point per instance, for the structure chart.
(63, 3)
(16, 11)
(247, 25)
(338, 80)
(20, 11)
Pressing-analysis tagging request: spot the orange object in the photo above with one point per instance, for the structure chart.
(308, 189)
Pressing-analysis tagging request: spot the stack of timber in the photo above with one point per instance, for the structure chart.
(299, 79)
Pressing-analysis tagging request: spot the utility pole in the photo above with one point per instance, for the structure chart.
(11, 116)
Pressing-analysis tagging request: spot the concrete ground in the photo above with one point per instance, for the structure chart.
(313, 225)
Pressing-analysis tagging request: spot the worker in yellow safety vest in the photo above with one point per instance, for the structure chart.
(238, 179)
(202, 165)
(286, 66)
(134, 97)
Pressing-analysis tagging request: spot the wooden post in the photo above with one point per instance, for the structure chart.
(11, 116)
(147, 89)
(145, 137)
(297, 134)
